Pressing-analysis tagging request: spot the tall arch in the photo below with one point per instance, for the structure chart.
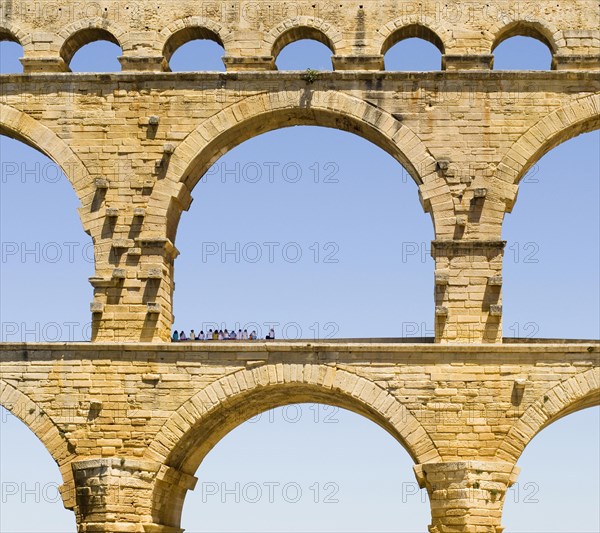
(299, 28)
(576, 393)
(200, 423)
(581, 116)
(36, 419)
(83, 32)
(188, 29)
(20, 126)
(266, 112)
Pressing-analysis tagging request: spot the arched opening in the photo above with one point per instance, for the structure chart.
(552, 256)
(302, 48)
(334, 469)
(30, 482)
(10, 53)
(413, 54)
(523, 46)
(558, 489)
(194, 49)
(184, 445)
(413, 48)
(331, 232)
(92, 50)
(46, 256)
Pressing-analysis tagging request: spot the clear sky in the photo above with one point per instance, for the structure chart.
(350, 260)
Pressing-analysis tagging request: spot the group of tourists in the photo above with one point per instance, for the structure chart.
(220, 335)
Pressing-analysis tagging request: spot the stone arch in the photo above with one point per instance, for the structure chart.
(531, 27)
(54, 440)
(22, 127)
(578, 392)
(298, 106)
(200, 423)
(415, 26)
(12, 33)
(190, 28)
(580, 116)
(86, 31)
(303, 27)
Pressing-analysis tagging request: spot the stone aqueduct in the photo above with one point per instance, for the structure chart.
(129, 418)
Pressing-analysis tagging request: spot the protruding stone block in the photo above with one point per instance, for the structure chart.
(443, 165)
(151, 273)
(442, 277)
(96, 307)
(123, 243)
(153, 308)
(101, 183)
(495, 310)
(462, 220)
(119, 273)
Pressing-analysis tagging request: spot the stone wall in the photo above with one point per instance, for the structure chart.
(130, 424)
(254, 32)
(466, 139)
(136, 144)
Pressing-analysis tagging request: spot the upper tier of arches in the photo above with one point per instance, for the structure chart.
(152, 50)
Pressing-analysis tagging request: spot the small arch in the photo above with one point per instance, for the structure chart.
(530, 28)
(305, 54)
(187, 34)
(417, 30)
(574, 394)
(418, 26)
(301, 28)
(581, 116)
(522, 53)
(79, 34)
(6, 35)
(200, 423)
(11, 52)
(11, 33)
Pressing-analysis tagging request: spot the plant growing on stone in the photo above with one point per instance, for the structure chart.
(310, 76)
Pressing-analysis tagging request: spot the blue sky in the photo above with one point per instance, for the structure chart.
(351, 260)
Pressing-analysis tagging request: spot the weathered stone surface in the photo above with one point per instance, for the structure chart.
(134, 144)
(129, 424)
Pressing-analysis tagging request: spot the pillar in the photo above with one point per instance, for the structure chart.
(119, 494)
(466, 496)
(468, 291)
(133, 291)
